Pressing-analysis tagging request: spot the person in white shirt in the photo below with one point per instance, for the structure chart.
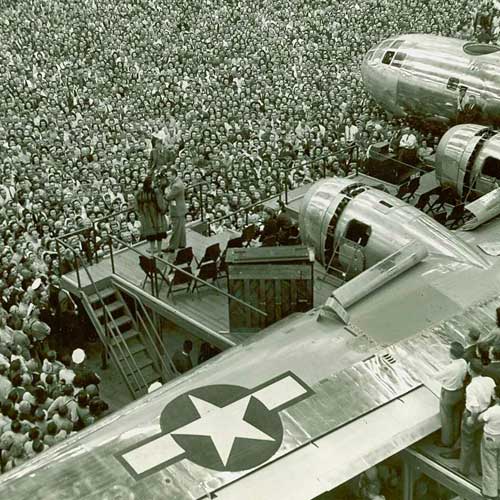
(350, 132)
(407, 151)
(452, 378)
(478, 396)
(490, 448)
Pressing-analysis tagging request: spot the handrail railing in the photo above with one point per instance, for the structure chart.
(137, 300)
(106, 312)
(192, 276)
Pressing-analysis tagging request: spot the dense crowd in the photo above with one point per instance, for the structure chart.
(42, 401)
(95, 95)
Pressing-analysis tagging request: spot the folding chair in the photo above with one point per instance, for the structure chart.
(149, 267)
(248, 234)
(212, 254)
(446, 196)
(456, 218)
(232, 243)
(183, 257)
(402, 191)
(412, 189)
(423, 201)
(206, 271)
(433, 192)
(179, 278)
(440, 217)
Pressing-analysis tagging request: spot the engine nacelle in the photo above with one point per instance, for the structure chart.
(468, 159)
(338, 211)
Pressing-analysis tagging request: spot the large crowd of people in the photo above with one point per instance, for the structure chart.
(241, 97)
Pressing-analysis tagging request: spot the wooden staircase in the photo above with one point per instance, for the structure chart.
(119, 332)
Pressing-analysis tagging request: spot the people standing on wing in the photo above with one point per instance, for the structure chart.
(177, 210)
(478, 396)
(150, 206)
(452, 378)
(490, 448)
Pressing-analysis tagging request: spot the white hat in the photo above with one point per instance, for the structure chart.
(36, 284)
(78, 356)
(154, 386)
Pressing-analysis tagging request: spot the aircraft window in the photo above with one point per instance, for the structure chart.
(491, 167)
(385, 203)
(358, 232)
(453, 83)
(369, 55)
(480, 49)
(397, 62)
(388, 57)
(396, 44)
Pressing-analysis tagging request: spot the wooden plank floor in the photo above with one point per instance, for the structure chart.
(206, 305)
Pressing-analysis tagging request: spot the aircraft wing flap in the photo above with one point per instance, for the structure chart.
(329, 461)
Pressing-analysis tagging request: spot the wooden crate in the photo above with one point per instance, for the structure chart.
(276, 280)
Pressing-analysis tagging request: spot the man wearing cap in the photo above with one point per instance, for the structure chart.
(452, 378)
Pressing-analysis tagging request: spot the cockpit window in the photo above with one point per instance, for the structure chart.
(480, 49)
(396, 44)
(369, 55)
(453, 83)
(388, 57)
(397, 62)
(491, 167)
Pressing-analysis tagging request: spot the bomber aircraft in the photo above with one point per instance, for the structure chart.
(312, 400)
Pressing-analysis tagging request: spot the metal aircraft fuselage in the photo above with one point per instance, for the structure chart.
(420, 75)
(310, 401)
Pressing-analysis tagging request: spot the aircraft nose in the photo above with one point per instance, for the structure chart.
(380, 81)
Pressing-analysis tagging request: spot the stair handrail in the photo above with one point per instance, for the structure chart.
(150, 336)
(206, 283)
(130, 360)
(127, 285)
(119, 347)
(105, 342)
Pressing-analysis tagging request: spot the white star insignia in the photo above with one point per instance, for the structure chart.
(222, 425)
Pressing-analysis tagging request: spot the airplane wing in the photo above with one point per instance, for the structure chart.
(296, 410)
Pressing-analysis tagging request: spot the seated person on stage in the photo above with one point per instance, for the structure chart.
(270, 228)
(284, 222)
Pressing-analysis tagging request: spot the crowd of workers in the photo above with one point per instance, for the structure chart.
(470, 407)
(42, 400)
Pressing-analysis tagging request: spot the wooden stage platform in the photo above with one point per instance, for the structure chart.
(205, 306)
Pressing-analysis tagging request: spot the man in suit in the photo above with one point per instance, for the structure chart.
(177, 210)
(472, 111)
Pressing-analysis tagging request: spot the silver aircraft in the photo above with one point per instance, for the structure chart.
(422, 75)
(434, 78)
(312, 400)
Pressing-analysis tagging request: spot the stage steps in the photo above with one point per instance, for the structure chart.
(124, 341)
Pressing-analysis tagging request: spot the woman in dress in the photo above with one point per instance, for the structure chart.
(150, 206)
